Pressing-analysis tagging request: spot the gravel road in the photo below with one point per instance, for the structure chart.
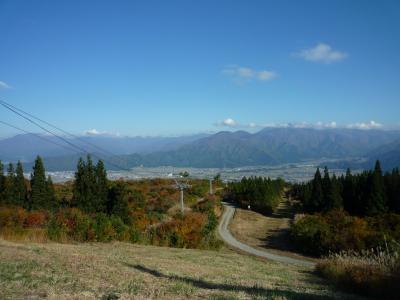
(225, 234)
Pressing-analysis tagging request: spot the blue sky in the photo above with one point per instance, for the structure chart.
(182, 67)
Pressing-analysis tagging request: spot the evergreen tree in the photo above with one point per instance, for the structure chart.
(334, 197)
(376, 198)
(117, 203)
(40, 196)
(326, 188)
(317, 195)
(90, 186)
(79, 185)
(20, 186)
(349, 194)
(101, 186)
(83, 188)
(392, 185)
(9, 186)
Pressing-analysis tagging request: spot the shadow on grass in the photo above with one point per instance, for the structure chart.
(251, 290)
(278, 239)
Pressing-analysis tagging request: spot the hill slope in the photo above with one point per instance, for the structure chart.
(93, 271)
(389, 155)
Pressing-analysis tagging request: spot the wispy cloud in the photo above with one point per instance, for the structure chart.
(244, 74)
(322, 53)
(4, 85)
(368, 125)
(95, 132)
(319, 125)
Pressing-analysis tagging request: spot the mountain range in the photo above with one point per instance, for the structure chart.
(269, 146)
(26, 147)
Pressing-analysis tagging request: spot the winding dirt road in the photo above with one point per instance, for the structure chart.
(225, 234)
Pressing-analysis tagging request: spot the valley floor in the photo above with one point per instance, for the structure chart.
(128, 271)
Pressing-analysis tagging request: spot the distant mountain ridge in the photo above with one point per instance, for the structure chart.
(272, 146)
(25, 147)
(269, 146)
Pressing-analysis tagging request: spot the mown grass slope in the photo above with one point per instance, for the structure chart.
(127, 271)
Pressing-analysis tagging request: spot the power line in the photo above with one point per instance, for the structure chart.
(58, 128)
(38, 136)
(59, 137)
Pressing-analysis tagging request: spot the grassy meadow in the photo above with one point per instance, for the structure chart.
(127, 271)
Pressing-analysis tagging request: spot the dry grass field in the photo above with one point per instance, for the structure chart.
(265, 232)
(127, 271)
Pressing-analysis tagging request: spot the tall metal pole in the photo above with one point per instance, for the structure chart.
(181, 186)
(182, 208)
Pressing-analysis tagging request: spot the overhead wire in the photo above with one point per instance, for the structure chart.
(10, 107)
(58, 128)
(38, 136)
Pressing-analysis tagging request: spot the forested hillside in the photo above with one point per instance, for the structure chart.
(92, 208)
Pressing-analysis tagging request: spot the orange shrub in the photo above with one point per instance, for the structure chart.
(36, 219)
(183, 232)
(12, 216)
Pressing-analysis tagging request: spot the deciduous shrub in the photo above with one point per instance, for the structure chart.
(181, 232)
(36, 219)
(336, 231)
(121, 230)
(309, 234)
(103, 228)
(12, 217)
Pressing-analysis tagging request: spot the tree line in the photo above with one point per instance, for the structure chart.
(368, 193)
(92, 192)
(36, 193)
(102, 210)
(262, 194)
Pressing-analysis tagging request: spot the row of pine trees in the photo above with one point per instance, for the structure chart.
(92, 193)
(262, 194)
(368, 193)
(15, 190)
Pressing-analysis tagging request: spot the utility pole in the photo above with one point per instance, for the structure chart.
(211, 187)
(182, 208)
(181, 186)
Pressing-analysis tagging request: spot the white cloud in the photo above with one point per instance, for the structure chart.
(319, 125)
(266, 75)
(228, 122)
(97, 132)
(368, 125)
(332, 124)
(4, 85)
(244, 74)
(322, 53)
(92, 132)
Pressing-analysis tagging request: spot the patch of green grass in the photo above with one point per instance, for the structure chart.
(133, 288)
(181, 287)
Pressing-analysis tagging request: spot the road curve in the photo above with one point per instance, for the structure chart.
(230, 240)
